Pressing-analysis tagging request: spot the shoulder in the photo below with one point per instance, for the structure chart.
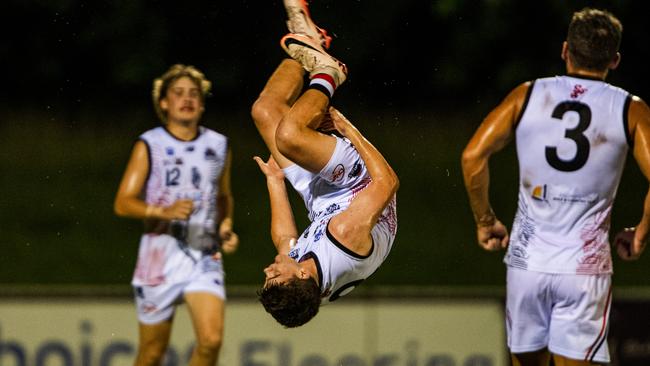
(153, 134)
(213, 135)
(638, 113)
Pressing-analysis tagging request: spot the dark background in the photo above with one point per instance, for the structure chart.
(76, 94)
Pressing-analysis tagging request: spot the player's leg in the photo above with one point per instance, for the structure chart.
(536, 358)
(580, 319)
(155, 308)
(275, 101)
(563, 361)
(297, 137)
(207, 312)
(528, 310)
(153, 341)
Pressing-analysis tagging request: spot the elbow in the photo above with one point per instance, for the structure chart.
(393, 183)
(389, 183)
(470, 158)
(118, 208)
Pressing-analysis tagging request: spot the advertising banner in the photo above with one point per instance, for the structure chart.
(352, 333)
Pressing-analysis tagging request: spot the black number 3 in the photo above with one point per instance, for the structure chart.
(575, 134)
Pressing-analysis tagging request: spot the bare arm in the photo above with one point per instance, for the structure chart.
(283, 225)
(639, 120)
(352, 227)
(128, 202)
(493, 134)
(225, 209)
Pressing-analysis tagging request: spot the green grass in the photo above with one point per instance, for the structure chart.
(57, 224)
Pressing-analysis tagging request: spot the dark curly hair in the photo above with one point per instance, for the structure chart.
(292, 303)
(594, 37)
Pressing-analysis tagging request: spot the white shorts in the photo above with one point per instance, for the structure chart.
(569, 314)
(157, 303)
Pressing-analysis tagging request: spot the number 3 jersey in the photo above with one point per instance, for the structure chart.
(180, 170)
(572, 141)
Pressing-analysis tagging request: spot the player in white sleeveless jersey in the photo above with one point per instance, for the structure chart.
(348, 187)
(178, 181)
(572, 134)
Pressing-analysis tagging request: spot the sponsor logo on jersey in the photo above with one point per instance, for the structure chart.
(337, 173)
(539, 193)
(577, 91)
(356, 169)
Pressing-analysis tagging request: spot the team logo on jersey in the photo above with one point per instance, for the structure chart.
(210, 154)
(356, 169)
(577, 91)
(148, 307)
(539, 193)
(196, 177)
(319, 233)
(169, 150)
(189, 148)
(332, 208)
(337, 173)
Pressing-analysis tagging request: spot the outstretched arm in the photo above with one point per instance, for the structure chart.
(492, 135)
(283, 225)
(636, 238)
(352, 227)
(128, 202)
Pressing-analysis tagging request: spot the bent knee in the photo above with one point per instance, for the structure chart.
(288, 139)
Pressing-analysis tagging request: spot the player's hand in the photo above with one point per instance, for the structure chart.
(493, 236)
(229, 240)
(179, 210)
(326, 125)
(630, 242)
(271, 168)
(342, 124)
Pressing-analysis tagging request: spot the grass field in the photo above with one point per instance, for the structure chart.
(59, 176)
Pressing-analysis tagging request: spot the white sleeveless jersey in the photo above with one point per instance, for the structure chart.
(327, 194)
(187, 170)
(572, 141)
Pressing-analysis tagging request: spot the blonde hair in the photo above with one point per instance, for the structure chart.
(161, 84)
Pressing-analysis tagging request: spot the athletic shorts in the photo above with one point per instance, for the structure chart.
(569, 314)
(157, 303)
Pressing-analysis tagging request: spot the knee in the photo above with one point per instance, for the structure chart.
(288, 139)
(264, 111)
(209, 344)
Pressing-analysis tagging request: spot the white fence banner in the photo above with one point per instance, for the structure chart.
(348, 333)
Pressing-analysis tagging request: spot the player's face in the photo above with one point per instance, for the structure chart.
(281, 270)
(183, 101)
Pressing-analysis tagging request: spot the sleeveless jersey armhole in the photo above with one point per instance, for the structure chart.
(626, 122)
(524, 105)
(146, 179)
